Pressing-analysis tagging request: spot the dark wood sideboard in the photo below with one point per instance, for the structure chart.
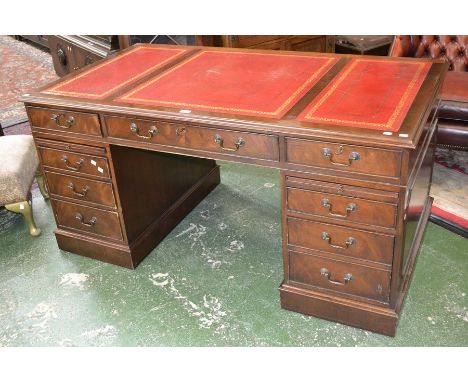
(313, 43)
(128, 147)
(72, 52)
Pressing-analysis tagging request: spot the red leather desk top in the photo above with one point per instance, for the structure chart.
(257, 84)
(360, 92)
(114, 74)
(369, 94)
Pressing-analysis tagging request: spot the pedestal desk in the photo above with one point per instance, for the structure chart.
(128, 147)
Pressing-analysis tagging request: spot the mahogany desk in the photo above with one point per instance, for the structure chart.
(128, 147)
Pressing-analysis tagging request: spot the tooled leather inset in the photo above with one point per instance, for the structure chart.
(368, 94)
(248, 83)
(114, 74)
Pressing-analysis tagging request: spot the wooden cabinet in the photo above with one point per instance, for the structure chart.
(317, 43)
(72, 52)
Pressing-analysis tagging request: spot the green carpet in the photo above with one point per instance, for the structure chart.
(212, 282)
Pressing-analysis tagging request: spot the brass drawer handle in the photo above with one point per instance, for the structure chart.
(153, 130)
(81, 194)
(326, 273)
(327, 153)
(220, 141)
(69, 122)
(349, 241)
(350, 208)
(68, 165)
(91, 223)
(180, 130)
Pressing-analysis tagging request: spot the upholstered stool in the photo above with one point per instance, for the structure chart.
(18, 166)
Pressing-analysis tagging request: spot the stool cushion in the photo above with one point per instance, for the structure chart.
(18, 164)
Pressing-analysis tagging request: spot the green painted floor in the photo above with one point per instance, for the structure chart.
(212, 282)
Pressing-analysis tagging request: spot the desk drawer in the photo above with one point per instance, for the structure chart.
(80, 189)
(87, 219)
(343, 157)
(341, 240)
(242, 144)
(138, 130)
(74, 162)
(251, 145)
(63, 120)
(341, 207)
(340, 276)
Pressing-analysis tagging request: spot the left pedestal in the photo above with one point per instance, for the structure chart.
(116, 204)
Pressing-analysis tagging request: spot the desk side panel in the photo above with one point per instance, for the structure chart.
(150, 182)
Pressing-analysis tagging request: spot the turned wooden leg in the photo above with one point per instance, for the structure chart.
(41, 184)
(25, 208)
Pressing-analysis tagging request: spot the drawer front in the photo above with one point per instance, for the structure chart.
(250, 145)
(77, 163)
(138, 130)
(87, 219)
(260, 146)
(340, 276)
(67, 146)
(350, 158)
(80, 189)
(341, 240)
(66, 121)
(341, 207)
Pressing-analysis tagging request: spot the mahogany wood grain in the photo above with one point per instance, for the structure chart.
(63, 120)
(93, 247)
(341, 207)
(366, 316)
(371, 161)
(74, 162)
(86, 219)
(69, 144)
(259, 146)
(417, 202)
(346, 187)
(130, 256)
(365, 244)
(332, 274)
(174, 214)
(80, 189)
(158, 180)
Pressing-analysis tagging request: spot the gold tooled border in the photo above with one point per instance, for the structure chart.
(322, 70)
(346, 72)
(53, 89)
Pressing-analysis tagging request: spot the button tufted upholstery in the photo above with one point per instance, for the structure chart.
(453, 112)
(453, 49)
